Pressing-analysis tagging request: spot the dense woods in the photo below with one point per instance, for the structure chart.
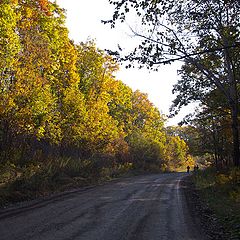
(64, 117)
(205, 36)
(67, 121)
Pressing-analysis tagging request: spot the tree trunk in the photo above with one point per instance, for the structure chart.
(235, 134)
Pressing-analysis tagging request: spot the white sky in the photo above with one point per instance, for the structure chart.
(84, 22)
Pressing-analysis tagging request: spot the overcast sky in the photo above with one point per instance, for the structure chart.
(84, 22)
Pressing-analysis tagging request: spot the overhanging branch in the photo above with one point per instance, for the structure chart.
(196, 54)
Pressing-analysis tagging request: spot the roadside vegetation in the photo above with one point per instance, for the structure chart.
(65, 120)
(220, 191)
(205, 36)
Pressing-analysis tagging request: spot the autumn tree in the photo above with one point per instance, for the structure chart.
(28, 94)
(63, 113)
(177, 155)
(95, 70)
(146, 137)
(204, 34)
(189, 133)
(9, 48)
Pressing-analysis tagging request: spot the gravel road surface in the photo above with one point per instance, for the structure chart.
(148, 207)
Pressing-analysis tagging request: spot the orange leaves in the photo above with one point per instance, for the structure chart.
(44, 6)
(15, 2)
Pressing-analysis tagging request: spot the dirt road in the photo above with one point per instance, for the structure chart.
(148, 207)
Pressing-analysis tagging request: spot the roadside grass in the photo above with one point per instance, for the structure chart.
(220, 190)
(20, 183)
(41, 178)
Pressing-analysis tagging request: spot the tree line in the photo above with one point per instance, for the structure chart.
(62, 108)
(205, 36)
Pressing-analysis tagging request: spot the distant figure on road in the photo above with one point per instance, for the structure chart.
(196, 168)
(188, 168)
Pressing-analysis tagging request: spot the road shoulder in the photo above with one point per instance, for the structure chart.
(202, 216)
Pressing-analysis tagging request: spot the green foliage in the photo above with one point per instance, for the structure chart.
(177, 155)
(145, 152)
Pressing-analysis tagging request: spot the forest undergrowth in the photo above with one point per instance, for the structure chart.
(220, 191)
